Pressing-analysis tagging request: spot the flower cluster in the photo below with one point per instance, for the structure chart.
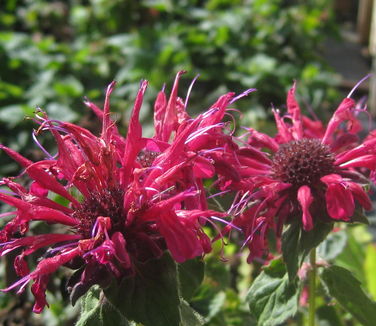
(305, 174)
(129, 199)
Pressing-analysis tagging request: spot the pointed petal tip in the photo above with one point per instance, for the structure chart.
(111, 85)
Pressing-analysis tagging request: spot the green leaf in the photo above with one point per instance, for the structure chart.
(210, 297)
(313, 238)
(353, 256)
(333, 245)
(191, 274)
(345, 288)
(151, 296)
(327, 316)
(90, 300)
(272, 297)
(216, 304)
(297, 243)
(190, 317)
(99, 312)
(290, 249)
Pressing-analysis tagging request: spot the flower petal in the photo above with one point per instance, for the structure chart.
(305, 199)
(339, 199)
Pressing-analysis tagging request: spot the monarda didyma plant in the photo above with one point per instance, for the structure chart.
(135, 219)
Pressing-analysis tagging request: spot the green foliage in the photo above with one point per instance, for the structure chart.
(333, 245)
(191, 274)
(55, 52)
(154, 296)
(353, 255)
(99, 312)
(151, 296)
(272, 297)
(346, 289)
(297, 243)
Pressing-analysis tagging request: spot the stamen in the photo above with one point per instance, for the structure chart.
(219, 193)
(189, 91)
(151, 189)
(49, 156)
(236, 206)
(232, 207)
(22, 281)
(94, 230)
(245, 93)
(8, 214)
(252, 234)
(358, 84)
(8, 192)
(53, 250)
(226, 222)
(233, 123)
(202, 131)
(206, 151)
(209, 112)
(161, 193)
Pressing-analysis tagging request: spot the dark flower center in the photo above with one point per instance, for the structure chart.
(108, 203)
(302, 162)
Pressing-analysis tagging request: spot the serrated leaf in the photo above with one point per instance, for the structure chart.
(290, 249)
(297, 243)
(151, 296)
(189, 317)
(346, 289)
(191, 274)
(96, 312)
(90, 300)
(272, 297)
(333, 245)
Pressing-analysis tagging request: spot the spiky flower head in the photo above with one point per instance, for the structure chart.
(129, 198)
(308, 174)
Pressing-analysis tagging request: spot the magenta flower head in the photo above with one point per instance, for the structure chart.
(309, 174)
(129, 199)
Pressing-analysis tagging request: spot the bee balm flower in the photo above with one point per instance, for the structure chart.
(130, 199)
(312, 173)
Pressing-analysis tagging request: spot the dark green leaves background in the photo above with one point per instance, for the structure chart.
(53, 53)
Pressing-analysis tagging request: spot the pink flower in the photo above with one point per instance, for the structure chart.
(312, 173)
(129, 198)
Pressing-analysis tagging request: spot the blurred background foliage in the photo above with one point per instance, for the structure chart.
(53, 53)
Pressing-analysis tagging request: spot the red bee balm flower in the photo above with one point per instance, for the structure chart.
(130, 198)
(313, 173)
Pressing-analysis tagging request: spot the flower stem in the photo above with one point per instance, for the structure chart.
(312, 288)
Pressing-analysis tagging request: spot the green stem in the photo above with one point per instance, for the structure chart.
(312, 288)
